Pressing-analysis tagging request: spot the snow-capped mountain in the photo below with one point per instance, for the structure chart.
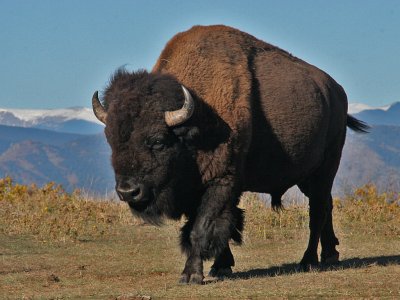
(355, 108)
(386, 115)
(72, 120)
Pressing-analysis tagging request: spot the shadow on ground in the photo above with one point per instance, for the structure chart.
(287, 269)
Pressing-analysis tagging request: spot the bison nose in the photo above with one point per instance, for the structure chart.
(133, 193)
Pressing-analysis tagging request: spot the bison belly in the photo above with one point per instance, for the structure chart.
(290, 122)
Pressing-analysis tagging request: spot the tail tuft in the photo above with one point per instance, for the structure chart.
(357, 125)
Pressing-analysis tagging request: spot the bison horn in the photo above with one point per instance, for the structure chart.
(98, 109)
(177, 117)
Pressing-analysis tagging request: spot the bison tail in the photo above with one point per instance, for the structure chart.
(357, 125)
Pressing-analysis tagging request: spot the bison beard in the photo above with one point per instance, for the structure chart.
(222, 113)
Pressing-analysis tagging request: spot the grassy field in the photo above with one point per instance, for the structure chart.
(59, 246)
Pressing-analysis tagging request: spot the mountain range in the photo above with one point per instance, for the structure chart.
(381, 116)
(71, 120)
(68, 146)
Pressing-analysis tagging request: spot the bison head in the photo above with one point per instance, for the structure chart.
(147, 118)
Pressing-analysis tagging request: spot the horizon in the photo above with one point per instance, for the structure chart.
(355, 105)
(56, 54)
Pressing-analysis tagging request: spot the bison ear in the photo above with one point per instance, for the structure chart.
(188, 135)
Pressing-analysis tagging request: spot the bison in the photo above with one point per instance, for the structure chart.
(221, 113)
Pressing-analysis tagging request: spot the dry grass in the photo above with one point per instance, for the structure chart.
(55, 245)
(378, 213)
(266, 224)
(50, 214)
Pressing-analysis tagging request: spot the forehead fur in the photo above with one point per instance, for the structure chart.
(137, 102)
(142, 88)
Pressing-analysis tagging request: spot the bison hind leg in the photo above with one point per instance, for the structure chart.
(228, 225)
(329, 241)
(237, 224)
(224, 261)
(185, 242)
(223, 264)
(318, 189)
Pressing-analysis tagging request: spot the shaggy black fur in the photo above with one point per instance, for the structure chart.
(151, 153)
(169, 171)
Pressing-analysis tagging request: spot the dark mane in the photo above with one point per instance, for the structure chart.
(129, 85)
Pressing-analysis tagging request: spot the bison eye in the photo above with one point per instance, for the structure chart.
(156, 142)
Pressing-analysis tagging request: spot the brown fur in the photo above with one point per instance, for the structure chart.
(219, 78)
(262, 93)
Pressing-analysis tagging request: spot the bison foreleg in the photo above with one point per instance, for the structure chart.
(217, 220)
(193, 271)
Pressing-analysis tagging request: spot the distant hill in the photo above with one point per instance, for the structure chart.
(372, 157)
(40, 156)
(12, 134)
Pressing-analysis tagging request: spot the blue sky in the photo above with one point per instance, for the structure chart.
(56, 53)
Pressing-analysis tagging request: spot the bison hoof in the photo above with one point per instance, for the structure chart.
(184, 279)
(331, 259)
(221, 272)
(196, 279)
(307, 267)
(309, 262)
(192, 279)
